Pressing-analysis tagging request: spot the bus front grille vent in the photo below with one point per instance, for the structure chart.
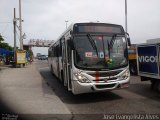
(105, 86)
(104, 74)
(106, 80)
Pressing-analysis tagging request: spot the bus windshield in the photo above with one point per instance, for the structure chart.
(100, 51)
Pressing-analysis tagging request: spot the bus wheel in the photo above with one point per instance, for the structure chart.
(133, 69)
(153, 84)
(62, 78)
(51, 68)
(157, 86)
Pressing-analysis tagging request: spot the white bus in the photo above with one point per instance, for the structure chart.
(91, 57)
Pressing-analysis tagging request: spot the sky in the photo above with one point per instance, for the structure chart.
(45, 19)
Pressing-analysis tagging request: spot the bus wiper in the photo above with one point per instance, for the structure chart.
(91, 40)
(112, 41)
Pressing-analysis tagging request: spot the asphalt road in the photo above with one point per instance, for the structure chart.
(137, 99)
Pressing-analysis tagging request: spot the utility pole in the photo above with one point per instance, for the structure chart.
(20, 26)
(126, 15)
(14, 24)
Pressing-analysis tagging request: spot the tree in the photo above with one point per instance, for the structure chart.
(1, 38)
(30, 53)
(5, 45)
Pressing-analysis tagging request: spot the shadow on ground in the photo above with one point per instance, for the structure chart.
(143, 89)
(68, 97)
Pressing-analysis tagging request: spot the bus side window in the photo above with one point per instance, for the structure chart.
(57, 51)
(60, 48)
(69, 50)
(52, 53)
(159, 56)
(63, 48)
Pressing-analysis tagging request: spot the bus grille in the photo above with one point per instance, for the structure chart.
(104, 74)
(105, 86)
(106, 80)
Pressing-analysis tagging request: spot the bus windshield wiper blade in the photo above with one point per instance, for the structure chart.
(91, 40)
(112, 41)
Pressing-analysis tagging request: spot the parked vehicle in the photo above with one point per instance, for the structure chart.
(149, 62)
(42, 57)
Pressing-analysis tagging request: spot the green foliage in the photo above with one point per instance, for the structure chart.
(30, 53)
(1, 38)
(4, 45)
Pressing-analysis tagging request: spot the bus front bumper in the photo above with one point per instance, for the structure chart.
(79, 88)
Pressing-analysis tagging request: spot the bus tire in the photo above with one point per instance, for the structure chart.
(133, 69)
(62, 77)
(157, 86)
(153, 84)
(51, 68)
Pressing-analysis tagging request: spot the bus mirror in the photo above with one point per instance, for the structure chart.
(129, 41)
(71, 32)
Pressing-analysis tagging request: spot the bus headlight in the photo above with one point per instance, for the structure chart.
(81, 78)
(125, 75)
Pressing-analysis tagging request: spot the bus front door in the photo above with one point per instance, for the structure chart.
(64, 63)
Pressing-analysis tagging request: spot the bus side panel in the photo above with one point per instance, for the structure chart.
(49, 61)
(54, 65)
